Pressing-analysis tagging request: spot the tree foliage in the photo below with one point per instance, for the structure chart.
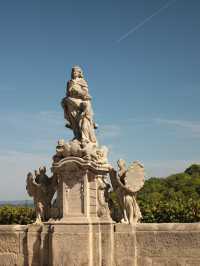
(16, 215)
(175, 198)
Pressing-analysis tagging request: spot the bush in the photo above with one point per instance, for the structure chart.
(179, 211)
(16, 215)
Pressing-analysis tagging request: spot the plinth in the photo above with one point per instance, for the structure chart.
(81, 193)
(82, 233)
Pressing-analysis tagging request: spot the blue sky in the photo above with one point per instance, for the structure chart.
(145, 87)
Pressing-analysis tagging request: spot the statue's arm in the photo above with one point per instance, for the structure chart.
(86, 96)
(85, 90)
(68, 88)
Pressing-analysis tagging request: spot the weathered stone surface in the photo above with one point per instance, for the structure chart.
(167, 262)
(143, 261)
(95, 244)
(9, 242)
(100, 244)
(34, 244)
(124, 245)
(13, 249)
(106, 244)
(168, 227)
(81, 191)
(192, 262)
(45, 252)
(9, 259)
(167, 243)
(176, 262)
(70, 245)
(10, 236)
(159, 262)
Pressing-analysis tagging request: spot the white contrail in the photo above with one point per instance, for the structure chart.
(137, 27)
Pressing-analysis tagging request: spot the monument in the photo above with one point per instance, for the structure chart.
(73, 225)
(73, 202)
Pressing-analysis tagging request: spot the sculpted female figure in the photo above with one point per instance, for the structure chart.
(125, 184)
(77, 107)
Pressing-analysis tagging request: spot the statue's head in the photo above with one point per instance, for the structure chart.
(77, 72)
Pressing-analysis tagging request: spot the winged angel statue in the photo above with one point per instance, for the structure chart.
(126, 183)
(42, 189)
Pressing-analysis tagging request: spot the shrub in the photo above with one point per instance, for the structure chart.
(16, 215)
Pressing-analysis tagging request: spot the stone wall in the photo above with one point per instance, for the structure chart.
(168, 244)
(100, 245)
(13, 245)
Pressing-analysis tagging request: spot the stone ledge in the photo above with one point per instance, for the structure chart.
(124, 228)
(162, 227)
(168, 227)
(93, 166)
(13, 228)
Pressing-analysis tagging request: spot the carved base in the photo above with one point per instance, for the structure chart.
(81, 194)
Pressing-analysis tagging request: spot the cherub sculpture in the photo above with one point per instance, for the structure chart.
(126, 183)
(87, 151)
(42, 189)
(102, 196)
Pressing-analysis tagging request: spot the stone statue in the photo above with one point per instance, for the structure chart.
(125, 184)
(75, 202)
(42, 189)
(77, 107)
(102, 196)
(79, 115)
(80, 168)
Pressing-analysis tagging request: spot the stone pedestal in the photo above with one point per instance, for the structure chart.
(81, 194)
(82, 233)
(83, 244)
